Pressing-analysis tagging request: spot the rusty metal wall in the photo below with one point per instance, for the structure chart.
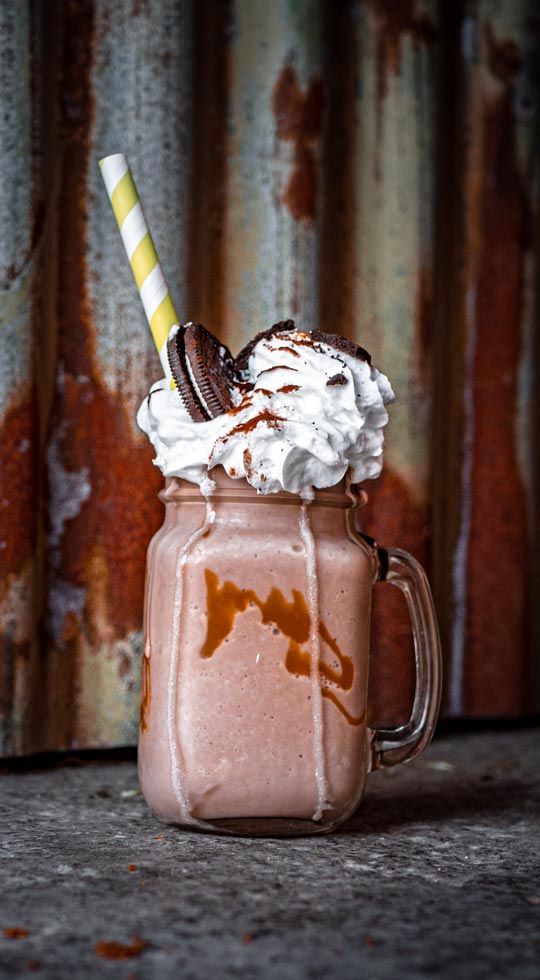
(364, 166)
(486, 542)
(17, 405)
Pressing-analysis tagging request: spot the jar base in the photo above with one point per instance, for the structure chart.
(264, 827)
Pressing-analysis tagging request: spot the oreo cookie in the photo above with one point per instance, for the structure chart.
(241, 361)
(203, 370)
(340, 344)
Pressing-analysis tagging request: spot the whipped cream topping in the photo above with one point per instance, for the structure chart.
(306, 414)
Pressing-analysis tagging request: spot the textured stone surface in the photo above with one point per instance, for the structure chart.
(436, 876)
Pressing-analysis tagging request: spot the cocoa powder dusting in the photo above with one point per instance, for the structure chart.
(248, 462)
(273, 421)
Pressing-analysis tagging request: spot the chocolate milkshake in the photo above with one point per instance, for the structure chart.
(258, 595)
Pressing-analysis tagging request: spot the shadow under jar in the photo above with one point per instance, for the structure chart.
(255, 660)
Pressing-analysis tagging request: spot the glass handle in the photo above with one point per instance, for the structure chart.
(393, 745)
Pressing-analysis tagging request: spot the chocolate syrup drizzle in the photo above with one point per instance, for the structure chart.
(224, 602)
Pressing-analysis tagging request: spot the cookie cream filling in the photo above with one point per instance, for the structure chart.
(310, 414)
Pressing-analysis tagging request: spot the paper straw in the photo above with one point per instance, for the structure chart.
(141, 251)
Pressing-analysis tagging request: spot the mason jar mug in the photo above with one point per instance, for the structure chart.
(256, 655)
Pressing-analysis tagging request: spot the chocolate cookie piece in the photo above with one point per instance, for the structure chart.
(203, 370)
(336, 380)
(241, 361)
(177, 360)
(342, 345)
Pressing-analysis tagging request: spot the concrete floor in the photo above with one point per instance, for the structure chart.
(437, 876)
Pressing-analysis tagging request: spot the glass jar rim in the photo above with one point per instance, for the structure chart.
(343, 494)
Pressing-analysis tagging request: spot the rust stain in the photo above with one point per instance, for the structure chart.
(15, 932)
(113, 526)
(206, 223)
(395, 20)
(300, 195)
(495, 673)
(503, 57)
(394, 519)
(298, 116)
(121, 951)
(138, 7)
(19, 483)
(337, 267)
(100, 628)
(19, 472)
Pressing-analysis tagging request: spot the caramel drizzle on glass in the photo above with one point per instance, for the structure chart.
(293, 621)
(145, 692)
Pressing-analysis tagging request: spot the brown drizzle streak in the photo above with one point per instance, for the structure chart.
(276, 367)
(246, 401)
(145, 693)
(292, 352)
(293, 621)
(265, 416)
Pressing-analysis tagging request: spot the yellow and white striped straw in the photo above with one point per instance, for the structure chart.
(141, 251)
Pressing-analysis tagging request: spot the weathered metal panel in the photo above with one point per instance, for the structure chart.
(394, 238)
(127, 86)
(18, 473)
(288, 159)
(485, 500)
(275, 118)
